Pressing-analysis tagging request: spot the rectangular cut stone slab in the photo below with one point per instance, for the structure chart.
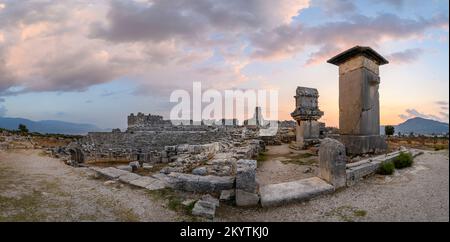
(244, 198)
(204, 209)
(332, 162)
(246, 176)
(195, 183)
(362, 144)
(127, 178)
(111, 172)
(358, 170)
(143, 181)
(295, 191)
(156, 185)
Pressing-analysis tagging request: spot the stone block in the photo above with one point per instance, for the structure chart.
(246, 176)
(143, 181)
(363, 144)
(195, 183)
(295, 191)
(211, 199)
(227, 195)
(201, 171)
(244, 198)
(204, 209)
(111, 172)
(125, 168)
(332, 162)
(127, 178)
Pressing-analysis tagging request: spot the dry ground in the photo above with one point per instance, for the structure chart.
(34, 187)
(418, 193)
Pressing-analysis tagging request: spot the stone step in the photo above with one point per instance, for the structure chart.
(295, 191)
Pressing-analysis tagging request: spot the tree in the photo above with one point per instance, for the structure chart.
(389, 130)
(23, 128)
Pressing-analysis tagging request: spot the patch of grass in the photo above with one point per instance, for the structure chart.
(386, 168)
(403, 160)
(174, 202)
(301, 159)
(360, 213)
(346, 213)
(23, 208)
(261, 158)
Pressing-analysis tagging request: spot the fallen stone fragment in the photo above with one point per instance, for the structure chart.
(201, 171)
(188, 202)
(227, 195)
(301, 190)
(210, 199)
(125, 168)
(204, 209)
(244, 198)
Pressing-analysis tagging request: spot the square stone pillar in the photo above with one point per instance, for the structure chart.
(359, 107)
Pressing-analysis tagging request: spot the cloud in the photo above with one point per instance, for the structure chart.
(405, 56)
(162, 45)
(333, 7)
(3, 109)
(412, 113)
(396, 3)
(162, 20)
(287, 40)
(442, 103)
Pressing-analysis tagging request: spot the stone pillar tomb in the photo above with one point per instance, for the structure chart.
(359, 106)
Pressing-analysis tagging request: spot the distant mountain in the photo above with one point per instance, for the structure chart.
(49, 126)
(420, 126)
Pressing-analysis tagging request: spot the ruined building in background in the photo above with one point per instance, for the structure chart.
(306, 114)
(359, 108)
(257, 120)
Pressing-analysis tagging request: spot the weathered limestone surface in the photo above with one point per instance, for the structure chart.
(195, 183)
(358, 170)
(143, 181)
(359, 106)
(246, 184)
(204, 209)
(332, 162)
(362, 144)
(244, 198)
(111, 172)
(306, 114)
(127, 178)
(301, 190)
(227, 195)
(246, 175)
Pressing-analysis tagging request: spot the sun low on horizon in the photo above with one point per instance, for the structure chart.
(97, 62)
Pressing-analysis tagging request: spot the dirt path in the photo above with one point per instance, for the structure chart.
(38, 188)
(418, 193)
(283, 164)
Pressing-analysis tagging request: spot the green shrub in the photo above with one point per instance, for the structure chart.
(386, 168)
(403, 160)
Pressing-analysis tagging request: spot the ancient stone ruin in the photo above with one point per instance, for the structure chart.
(212, 158)
(359, 106)
(306, 114)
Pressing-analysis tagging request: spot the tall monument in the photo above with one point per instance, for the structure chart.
(359, 105)
(306, 114)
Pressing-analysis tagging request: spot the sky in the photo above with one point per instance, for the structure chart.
(98, 61)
